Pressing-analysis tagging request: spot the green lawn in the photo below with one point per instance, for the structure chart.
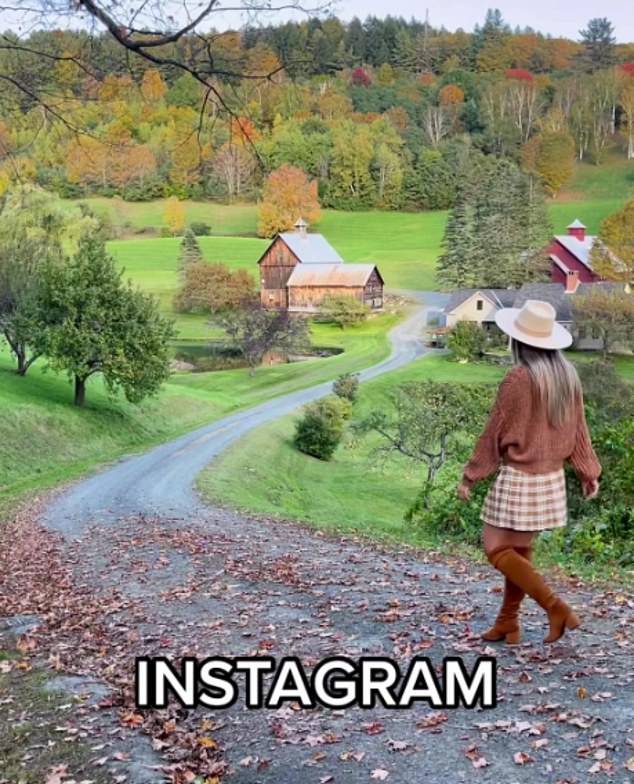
(355, 492)
(404, 245)
(37, 410)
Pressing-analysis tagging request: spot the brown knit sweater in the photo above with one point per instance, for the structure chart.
(518, 434)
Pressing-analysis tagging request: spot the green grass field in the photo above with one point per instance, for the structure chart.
(404, 245)
(37, 410)
(354, 493)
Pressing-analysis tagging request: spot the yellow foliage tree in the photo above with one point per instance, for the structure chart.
(174, 216)
(153, 87)
(552, 157)
(287, 195)
(613, 253)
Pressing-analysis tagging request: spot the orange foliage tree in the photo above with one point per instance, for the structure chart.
(287, 195)
(214, 288)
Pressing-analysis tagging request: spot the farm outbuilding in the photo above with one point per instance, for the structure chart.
(299, 270)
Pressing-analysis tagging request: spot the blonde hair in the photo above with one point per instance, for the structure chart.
(555, 380)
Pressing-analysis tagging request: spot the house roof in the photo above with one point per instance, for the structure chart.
(580, 249)
(554, 293)
(331, 275)
(311, 248)
(576, 224)
(501, 298)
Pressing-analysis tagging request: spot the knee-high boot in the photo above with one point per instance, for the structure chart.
(521, 572)
(507, 625)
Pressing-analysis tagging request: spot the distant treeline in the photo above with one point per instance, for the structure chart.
(382, 113)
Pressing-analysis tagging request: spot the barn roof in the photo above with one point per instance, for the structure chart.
(331, 275)
(311, 248)
(580, 249)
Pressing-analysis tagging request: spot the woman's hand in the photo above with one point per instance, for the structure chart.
(590, 489)
(464, 492)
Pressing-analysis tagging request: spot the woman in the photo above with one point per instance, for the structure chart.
(536, 425)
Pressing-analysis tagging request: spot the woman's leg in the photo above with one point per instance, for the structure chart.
(494, 537)
(506, 626)
(503, 551)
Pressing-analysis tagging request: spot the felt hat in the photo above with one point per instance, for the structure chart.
(534, 324)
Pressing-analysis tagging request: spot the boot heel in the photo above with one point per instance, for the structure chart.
(572, 621)
(513, 638)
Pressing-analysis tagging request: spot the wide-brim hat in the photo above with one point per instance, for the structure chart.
(534, 324)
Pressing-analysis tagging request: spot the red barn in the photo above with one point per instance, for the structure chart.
(570, 256)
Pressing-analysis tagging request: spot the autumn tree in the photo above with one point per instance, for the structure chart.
(174, 216)
(214, 288)
(551, 157)
(99, 324)
(153, 87)
(607, 313)
(613, 253)
(287, 195)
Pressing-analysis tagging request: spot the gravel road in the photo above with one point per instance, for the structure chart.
(160, 481)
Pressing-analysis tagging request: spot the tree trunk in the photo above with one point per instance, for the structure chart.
(23, 365)
(80, 391)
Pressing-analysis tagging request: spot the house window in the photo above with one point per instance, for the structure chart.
(582, 333)
(596, 333)
(480, 304)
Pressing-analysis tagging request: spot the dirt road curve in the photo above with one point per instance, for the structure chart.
(159, 482)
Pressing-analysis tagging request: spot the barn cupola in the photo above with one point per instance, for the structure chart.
(301, 227)
(577, 229)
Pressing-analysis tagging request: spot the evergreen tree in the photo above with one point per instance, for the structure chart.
(454, 268)
(598, 44)
(190, 252)
(497, 231)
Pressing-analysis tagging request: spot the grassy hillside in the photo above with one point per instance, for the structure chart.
(357, 491)
(336, 495)
(37, 410)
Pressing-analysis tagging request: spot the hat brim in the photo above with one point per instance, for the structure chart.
(558, 339)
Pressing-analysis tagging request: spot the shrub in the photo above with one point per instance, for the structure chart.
(320, 430)
(442, 515)
(347, 387)
(466, 341)
(344, 311)
(200, 228)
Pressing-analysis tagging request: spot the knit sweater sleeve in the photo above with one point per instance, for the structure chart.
(583, 458)
(486, 456)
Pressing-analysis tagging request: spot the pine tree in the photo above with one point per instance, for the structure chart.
(190, 252)
(599, 50)
(496, 232)
(454, 268)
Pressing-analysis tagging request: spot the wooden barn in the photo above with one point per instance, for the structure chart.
(299, 270)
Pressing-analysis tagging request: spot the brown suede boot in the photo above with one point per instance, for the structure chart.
(507, 626)
(521, 572)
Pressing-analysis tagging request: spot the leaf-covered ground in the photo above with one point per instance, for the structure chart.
(231, 585)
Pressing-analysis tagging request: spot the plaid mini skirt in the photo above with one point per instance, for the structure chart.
(526, 502)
